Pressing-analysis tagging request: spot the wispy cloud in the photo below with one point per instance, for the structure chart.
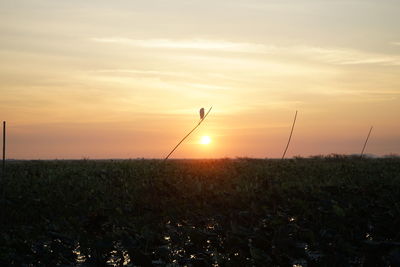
(207, 86)
(175, 76)
(140, 72)
(329, 55)
(365, 92)
(348, 56)
(199, 44)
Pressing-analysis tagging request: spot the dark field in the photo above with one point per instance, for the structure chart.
(333, 211)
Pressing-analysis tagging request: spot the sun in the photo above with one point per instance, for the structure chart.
(205, 140)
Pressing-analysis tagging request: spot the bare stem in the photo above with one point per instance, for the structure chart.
(290, 136)
(198, 124)
(4, 148)
(366, 141)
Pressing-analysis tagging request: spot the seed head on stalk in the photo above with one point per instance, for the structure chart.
(201, 113)
(202, 118)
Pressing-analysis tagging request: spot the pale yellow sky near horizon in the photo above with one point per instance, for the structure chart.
(125, 79)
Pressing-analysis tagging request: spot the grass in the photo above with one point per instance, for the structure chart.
(320, 211)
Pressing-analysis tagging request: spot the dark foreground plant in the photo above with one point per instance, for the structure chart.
(322, 211)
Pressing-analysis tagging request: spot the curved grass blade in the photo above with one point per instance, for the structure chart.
(198, 124)
(290, 136)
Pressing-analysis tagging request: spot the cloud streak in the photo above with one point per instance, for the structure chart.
(198, 44)
(335, 56)
(349, 56)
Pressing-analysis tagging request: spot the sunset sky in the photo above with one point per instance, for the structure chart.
(126, 79)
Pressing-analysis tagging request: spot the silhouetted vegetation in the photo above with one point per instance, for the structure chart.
(320, 211)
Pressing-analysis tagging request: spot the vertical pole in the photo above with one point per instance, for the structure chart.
(366, 141)
(4, 148)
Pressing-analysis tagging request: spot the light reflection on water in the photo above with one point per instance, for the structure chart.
(368, 236)
(180, 245)
(80, 258)
(114, 258)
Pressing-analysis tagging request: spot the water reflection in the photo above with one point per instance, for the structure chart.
(204, 243)
(80, 258)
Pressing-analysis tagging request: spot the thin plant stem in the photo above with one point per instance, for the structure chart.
(366, 141)
(290, 136)
(4, 149)
(198, 124)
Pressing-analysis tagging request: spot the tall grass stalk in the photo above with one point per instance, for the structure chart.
(4, 149)
(366, 141)
(290, 136)
(202, 118)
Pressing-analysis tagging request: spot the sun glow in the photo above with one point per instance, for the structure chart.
(205, 140)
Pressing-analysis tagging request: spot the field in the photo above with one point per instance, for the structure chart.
(319, 211)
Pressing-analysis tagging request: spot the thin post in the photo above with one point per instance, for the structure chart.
(198, 124)
(4, 148)
(290, 136)
(366, 141)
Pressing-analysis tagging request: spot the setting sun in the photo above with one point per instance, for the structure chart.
(205, 140)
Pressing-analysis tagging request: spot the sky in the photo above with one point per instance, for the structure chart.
(126, 79)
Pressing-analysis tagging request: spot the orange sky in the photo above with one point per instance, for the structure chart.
(125, 79)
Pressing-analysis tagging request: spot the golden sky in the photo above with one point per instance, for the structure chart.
(126, 79)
